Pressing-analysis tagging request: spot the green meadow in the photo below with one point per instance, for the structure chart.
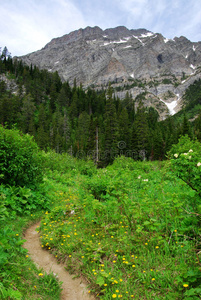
(131, 229)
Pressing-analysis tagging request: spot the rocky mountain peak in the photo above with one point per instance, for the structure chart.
(134, 60)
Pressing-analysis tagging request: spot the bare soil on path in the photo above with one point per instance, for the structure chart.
(73, 289)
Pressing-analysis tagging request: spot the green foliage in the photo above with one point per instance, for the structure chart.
(186, 162)
(20, 278)
(127, 228)
(22, 200)
(20, 162)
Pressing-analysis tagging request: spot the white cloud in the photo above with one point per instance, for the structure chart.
(27, 25)
(169, 17)
(30, 24)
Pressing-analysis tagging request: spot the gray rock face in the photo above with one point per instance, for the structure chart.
(96, 57)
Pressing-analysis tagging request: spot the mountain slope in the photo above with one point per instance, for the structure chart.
(95, 57)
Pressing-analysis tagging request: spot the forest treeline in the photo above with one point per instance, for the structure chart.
(87, 123)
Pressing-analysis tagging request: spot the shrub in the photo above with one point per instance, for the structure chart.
(186, 162)
(20, 161)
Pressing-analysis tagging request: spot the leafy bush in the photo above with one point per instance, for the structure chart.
(22, 200)
(186, 162)
(20, 161)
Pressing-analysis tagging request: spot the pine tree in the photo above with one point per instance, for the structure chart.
(141, 132)
(124, 143)
(83, 130)
(111, 129)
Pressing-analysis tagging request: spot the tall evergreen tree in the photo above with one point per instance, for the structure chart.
(141, 132)
(111, 129)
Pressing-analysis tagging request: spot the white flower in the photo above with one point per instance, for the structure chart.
(199, 164)
(145, 180)
(176, 155)
(190, 150)
(189, 157)
(139, 177)
(185, 153)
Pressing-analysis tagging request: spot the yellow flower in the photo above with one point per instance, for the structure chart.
(157, 247)
(40, 274)
(114, 296)
(153, 279)
(185, 285)
(133, 266)
(17, 234)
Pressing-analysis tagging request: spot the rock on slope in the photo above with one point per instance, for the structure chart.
(95, 57)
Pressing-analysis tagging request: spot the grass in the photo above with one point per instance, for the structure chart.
(19, 276)
(130, 229)
(126, 229)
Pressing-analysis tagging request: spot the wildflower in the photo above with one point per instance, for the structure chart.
(157, 247)
(133, 266)
(117, 291)
(145, 180)
(17, 234)
(185, 285)
(105, 284)
(185, 153)
(176, 155)
(27, 255)
(190, 150)
(40, 274)
(153, 279)
(35, 286)
(114, 296)
(175, 230)
(139, 177)
(199, 164)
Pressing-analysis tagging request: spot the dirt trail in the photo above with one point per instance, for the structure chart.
(73, 289)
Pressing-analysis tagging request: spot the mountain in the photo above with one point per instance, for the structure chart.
(145, 64)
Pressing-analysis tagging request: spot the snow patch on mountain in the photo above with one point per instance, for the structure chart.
(172, 105)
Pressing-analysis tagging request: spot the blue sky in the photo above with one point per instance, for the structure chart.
(28, 25)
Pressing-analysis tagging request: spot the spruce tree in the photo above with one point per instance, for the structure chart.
(141, 132)
(111, 129)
